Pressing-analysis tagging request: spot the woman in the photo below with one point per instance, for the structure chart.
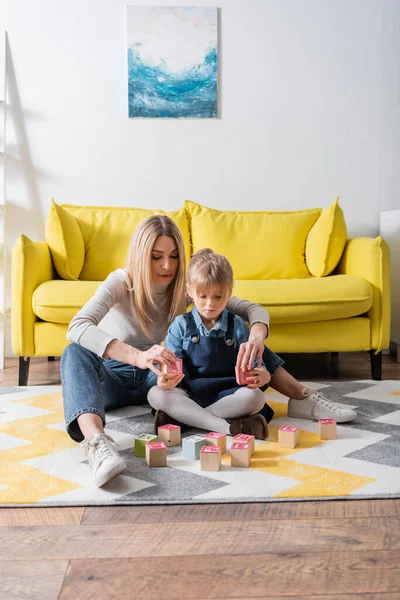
(116, 356)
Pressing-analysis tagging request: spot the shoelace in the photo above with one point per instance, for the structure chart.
(96, 446)
(321, 400)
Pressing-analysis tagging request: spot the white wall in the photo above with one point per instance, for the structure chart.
(310, 97)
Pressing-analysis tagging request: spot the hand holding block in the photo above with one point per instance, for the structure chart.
(240, 455)
(191, 447)
(241, 376)
(169, 434)
(140, 443)
(216, 439)
(243, 438)
(174, 369)
(210, 458)
(327, 429)
(156, 454)
(288, 436)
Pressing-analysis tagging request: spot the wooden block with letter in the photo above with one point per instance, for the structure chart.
(140, 444)
(288, 436)
(241, 376)
(240, 455)
(210, 458)
(169, 434)
(243, 438)
(191, 447)
(156, 454)
(174, 369)
(216, 439)
(327, 429)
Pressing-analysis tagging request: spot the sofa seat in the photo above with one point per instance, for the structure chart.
(309, 300)
(58, 301)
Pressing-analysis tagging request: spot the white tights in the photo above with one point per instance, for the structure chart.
(178, 405)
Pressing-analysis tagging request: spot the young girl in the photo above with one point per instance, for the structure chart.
(115, 354)
(208, 340)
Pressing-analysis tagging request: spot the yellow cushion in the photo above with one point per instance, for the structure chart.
(326, 241)
(313, 299)
(65, 241)
(107, 232)
(259, 245)
(58, 301)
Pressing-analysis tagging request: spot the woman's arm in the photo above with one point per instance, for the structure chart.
(258, 318)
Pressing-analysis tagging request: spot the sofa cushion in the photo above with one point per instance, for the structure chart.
(65, 241)
(58, 301)
(259, 245)
(107, 231)
(326, 241)
(303, 300)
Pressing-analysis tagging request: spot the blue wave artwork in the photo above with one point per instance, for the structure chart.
(172, 62)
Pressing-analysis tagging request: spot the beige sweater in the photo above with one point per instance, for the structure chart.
(110, 314)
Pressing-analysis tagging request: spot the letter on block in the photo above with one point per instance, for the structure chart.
(174, 369)
(243, 438)
(169, 434)
(288, 436)
(140, 443)
(210, 458)
(240, 455)
(216, 439)
(156, 454)
(241, 376)
(191, 447)
(327, 429)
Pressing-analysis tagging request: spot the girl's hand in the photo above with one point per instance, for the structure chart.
(168, 382)
(155, 354)
(257, 378)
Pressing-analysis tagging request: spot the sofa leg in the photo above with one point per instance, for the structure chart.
(51, 358)
(335, 365)
(376, 365)
(23, 370)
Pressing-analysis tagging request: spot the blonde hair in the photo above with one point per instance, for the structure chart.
(139, 269)
(206, 268)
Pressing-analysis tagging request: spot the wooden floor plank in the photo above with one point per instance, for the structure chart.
(32, 579)
(185, 539)
(241, 512)
(229, 577)
(37, 517)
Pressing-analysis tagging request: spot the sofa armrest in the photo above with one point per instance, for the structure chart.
(369, 258)
(31, 266)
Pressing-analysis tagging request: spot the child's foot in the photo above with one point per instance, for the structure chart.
(161, 418)
(104, 460)
(315, 406)
(253, 425)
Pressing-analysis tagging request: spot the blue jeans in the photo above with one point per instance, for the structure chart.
(93, 385)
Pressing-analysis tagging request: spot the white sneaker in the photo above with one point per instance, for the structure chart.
(104, 460)
(316, 406)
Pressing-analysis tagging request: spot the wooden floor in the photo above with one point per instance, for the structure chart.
(298, 550)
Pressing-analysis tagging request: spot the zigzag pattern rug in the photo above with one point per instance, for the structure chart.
(41, 466)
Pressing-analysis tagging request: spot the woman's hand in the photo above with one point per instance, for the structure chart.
(257, 378)
(168, 382)
(155, 354)
(252, 349)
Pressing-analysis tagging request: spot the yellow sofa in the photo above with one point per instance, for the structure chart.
(324, 292)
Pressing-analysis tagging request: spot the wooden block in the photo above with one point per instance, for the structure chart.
(216, 439)
(288, 436)
(169, 434)
(174, 369)
(210, 458)
(140, 443)
(156, 454)
(241, 376)
(191, 447)
(243, 438)
(327, 429)
(240, 455)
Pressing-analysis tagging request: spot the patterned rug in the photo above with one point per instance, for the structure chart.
(40, 465)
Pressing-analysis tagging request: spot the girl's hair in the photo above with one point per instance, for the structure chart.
(139, 269)
(206, 268)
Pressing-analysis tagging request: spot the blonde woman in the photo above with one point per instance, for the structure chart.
(115, 356)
